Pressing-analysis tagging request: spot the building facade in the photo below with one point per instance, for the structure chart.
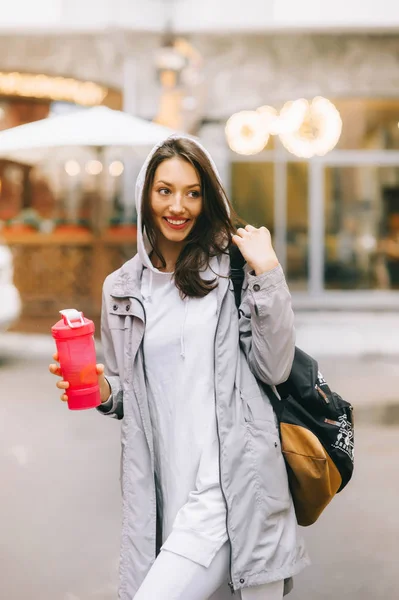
(335, 219)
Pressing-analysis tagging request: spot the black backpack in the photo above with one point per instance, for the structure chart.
(315, 423)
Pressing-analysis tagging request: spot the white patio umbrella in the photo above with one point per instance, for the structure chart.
(98, 127)
(77, 137)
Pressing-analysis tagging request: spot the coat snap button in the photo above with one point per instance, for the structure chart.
(115, 307)
(256, 287)
(275, 444)
(242, 580)
(127, 307)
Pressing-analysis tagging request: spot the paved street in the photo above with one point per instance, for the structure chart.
(60, 501)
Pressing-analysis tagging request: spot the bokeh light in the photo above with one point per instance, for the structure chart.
(72, 168)
(116, 168)
(94, 167)
(318, 133)
(245, 132)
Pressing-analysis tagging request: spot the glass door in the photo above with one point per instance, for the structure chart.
(354, 222)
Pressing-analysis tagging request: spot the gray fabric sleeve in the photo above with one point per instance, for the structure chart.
(113, 407)
(267, 333)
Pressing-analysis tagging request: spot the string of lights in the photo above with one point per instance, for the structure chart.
(85, 93)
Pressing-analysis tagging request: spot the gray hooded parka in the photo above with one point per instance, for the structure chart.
(256, 343)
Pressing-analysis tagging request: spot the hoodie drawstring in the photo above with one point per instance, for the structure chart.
(182, 345)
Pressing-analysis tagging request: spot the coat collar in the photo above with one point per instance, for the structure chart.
(128, 281)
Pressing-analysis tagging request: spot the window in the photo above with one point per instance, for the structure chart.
(297, 225)
(362, 228)
(257, 201)
(253, 193)
(369, 124)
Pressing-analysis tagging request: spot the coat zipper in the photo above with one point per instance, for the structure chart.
(231, 586)
(141, 413)
(230, 583)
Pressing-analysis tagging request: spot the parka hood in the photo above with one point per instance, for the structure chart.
(143, 245)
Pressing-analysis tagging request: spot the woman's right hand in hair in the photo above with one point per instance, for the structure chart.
(105, 389)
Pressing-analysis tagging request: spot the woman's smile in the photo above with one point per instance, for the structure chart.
(176, 223)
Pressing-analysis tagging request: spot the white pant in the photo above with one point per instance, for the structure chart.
(174, 577)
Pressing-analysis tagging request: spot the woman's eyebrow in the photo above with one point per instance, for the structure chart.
(193, 185)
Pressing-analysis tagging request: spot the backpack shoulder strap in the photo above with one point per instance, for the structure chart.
(237, 275)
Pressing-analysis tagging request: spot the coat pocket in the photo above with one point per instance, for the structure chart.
(257, 406)
(268, 461)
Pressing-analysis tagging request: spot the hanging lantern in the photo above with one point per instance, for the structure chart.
(245, 132)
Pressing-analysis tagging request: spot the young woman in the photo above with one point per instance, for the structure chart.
(206, 504)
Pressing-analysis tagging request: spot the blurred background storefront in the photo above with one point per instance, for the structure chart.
(334, 218)
(48, 219)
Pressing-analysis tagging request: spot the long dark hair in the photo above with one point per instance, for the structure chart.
(211, 235)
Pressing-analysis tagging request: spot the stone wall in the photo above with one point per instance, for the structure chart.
(240, 72)
(245, 72)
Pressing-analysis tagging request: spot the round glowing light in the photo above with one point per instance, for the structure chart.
(116, 168)
(72, 168)
(292, 116)
(319, 132)
(268, 117)
(245, 133)
(94, 167)
(288, 121)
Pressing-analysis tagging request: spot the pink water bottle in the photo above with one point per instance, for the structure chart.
(73, 336)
